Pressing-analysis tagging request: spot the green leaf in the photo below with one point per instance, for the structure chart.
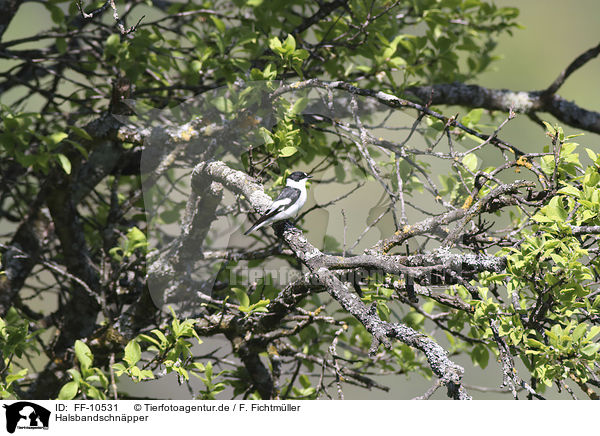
(574, 136)
(135, 239)
(56, 13)
(133, 353)
(119, 368)
(80, 132)
(266, 135)
(304, 381)
(591, 178)
(299, 106)
(146, 374)
(61, 45)
(555, 210)
(383, 310)
(535, 343)
(65, 163)
(113, 41)
(196, 65)
(260, 306)
(135, 372)
(55, 138)
(149, 339)
(590, 349)
(593, 332)
(275, 45)
(570, 190)
(80, 148)
(160, 335)
(68, 391)
(472, 117)
(579, 332)
(340, 173)
(547, 164)
(223, 104)
(95, 394)
(289, 44)
(593, 156)
(470, 161)
(75, 375)
(480, 356)
(551, 130)
(220, 25)
(16, 376)
(241, 296)
(116, 253)
(84, 355)
(287, 151)
(208, 370)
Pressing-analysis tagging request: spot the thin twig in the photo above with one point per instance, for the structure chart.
(430, 391)
(345, 229)
(580, 61)
(113, 383)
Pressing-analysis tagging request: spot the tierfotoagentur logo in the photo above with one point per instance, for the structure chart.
(26, 415)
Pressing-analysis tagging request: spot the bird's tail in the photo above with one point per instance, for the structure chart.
(267, 218)
(255, 226)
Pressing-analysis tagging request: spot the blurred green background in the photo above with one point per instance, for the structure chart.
(555, 32)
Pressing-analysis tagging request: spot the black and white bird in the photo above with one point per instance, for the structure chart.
(287, 204)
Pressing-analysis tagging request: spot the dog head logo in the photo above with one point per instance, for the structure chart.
(24, 414)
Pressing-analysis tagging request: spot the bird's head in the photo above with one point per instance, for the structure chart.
(297, 178)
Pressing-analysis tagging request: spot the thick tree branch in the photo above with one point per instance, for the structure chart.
(81, 309)
(200, 213)
(437, 357)
(21, 255)
(526, 102)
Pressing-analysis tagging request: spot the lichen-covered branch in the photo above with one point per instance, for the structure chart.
(525, 102)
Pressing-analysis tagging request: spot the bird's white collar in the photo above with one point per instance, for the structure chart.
(298, 185)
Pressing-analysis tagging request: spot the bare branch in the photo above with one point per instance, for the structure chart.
(526, 102)
(579, 62)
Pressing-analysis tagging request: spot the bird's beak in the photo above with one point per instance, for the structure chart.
(309, 177)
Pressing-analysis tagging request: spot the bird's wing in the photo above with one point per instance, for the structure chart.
(286, 197)
(276, 207)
